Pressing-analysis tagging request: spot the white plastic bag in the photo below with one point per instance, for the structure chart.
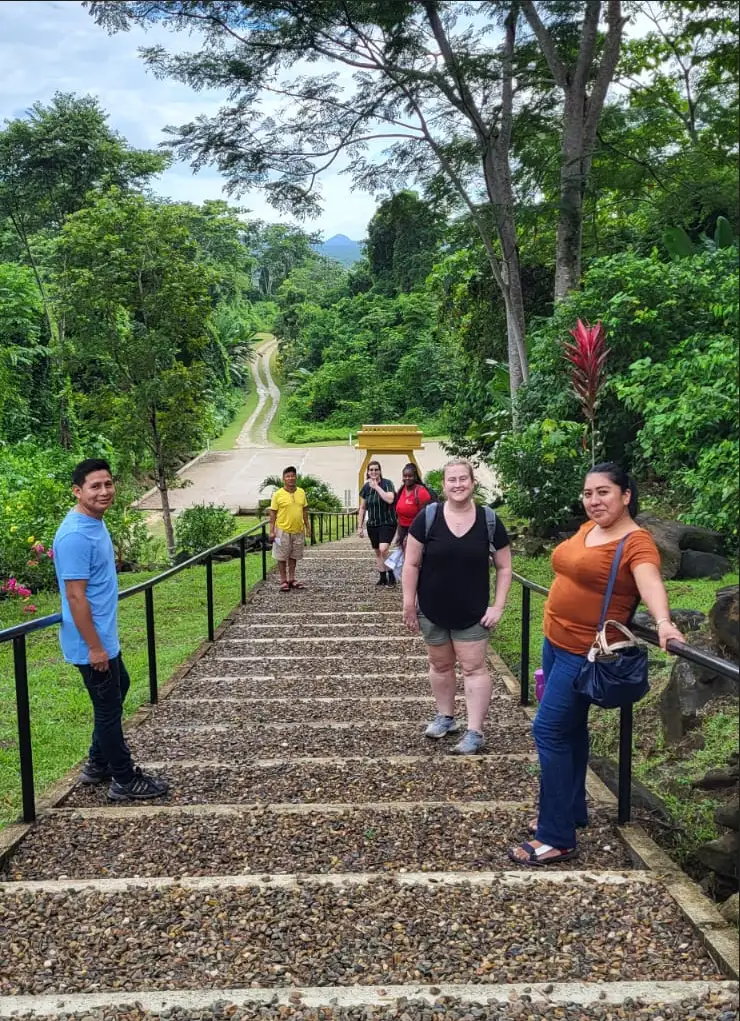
(395, 562)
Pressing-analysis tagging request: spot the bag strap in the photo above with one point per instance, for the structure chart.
(612, 580)
(491, 525)
(430, 512)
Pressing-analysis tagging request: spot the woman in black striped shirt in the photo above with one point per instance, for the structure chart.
(377, 497)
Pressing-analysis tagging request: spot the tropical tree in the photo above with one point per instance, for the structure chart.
(49, 161)
(138, 304)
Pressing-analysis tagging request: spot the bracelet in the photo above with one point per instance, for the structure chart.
(663, 620)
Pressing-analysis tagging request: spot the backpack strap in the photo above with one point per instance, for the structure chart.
(430, 512)
(491, 526)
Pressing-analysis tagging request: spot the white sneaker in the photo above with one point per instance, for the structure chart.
(442, 725)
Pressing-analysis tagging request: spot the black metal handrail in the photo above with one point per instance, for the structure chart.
(681, 649)
(17, 633)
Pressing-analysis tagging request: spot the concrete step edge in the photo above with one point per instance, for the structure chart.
(132, 813)
(555, 993)
(295, 880)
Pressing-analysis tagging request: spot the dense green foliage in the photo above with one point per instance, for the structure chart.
(669, 407)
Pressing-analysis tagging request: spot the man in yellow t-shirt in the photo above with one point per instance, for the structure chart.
(288, 528)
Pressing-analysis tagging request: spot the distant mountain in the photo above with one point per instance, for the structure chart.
(341, 248)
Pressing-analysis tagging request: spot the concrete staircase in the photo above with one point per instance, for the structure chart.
(319, 859)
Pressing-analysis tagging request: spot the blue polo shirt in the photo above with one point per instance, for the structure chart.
(83, 550)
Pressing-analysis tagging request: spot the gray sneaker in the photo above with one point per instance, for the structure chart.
(442, 725)
(471, 744)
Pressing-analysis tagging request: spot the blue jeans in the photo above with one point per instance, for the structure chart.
(107, 690)
(560, 732)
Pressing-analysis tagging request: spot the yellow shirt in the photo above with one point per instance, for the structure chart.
(289, 507)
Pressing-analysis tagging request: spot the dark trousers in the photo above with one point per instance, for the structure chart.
(560, 732)
(107, 690)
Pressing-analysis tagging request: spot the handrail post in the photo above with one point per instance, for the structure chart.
(321, 528)
(151, 645)
(524, 658)
(264, 551)
(25, 749)
(209, 596)
(624, 812)
(243, 568)
(312, 519)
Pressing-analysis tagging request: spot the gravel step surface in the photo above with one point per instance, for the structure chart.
(362, 780)
(358, 628)
(230, 678)
(337, 664)
(179, 711)
(325, 935)
(507, 736)
(329, 599)
(259, 841)
(351, 648)
(710, 1008)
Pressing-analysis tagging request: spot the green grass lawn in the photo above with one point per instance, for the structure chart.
(60, 707)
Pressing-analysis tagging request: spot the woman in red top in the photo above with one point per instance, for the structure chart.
(412, 496)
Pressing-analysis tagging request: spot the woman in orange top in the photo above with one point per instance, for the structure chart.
(582, 564)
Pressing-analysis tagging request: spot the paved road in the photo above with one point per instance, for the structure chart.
(233, 477)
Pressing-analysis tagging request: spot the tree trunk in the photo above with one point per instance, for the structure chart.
(573, 173)
(161, 484)
(500, 193)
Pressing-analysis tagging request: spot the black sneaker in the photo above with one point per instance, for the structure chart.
(391, 578)
(93, 774)
(141, 787)
(382, 580)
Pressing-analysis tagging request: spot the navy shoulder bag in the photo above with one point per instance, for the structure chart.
(614, 675)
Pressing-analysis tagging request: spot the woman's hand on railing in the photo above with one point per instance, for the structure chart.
(668, 632)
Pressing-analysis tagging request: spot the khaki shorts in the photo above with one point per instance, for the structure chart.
(433, 634)
(288, 546)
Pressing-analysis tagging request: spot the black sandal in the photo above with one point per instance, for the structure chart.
(534, 855)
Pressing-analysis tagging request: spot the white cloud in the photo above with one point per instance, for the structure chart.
(50, 46)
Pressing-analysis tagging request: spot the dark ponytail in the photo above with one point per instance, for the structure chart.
(616, 474)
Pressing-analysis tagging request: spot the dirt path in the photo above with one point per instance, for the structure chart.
(254, 431)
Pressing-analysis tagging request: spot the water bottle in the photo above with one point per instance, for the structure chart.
(539, 684)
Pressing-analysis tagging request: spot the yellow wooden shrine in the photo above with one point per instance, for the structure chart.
(388, 439)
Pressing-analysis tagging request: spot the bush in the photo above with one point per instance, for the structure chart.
(541, 470)
(200, 527)
(688, 405)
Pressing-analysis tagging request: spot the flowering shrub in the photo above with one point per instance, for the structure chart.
(12, 590)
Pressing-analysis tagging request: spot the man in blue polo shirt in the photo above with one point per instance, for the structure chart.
(86, 572)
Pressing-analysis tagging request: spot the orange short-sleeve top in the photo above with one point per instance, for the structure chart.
(573, 607)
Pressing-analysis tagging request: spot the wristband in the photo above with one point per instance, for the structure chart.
(663, 620)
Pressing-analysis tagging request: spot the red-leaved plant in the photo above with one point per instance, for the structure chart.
(587, 357)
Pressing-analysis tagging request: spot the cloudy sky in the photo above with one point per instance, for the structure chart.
(49, 46)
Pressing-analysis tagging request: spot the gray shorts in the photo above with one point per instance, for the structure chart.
(433, 634)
